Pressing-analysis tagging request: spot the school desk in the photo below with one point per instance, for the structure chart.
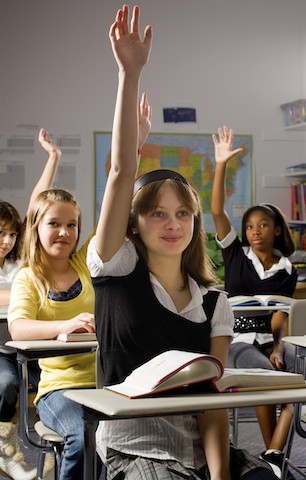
(103, 404)
(28, 350)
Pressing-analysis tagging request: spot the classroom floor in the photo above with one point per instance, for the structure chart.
(249, 437)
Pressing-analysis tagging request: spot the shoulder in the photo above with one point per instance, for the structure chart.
(230, 238)
(24, 273)
(122, 263)
(223, 316)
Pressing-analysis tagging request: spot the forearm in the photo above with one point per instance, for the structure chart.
(125, 124)
(218, 196)
(213, 427)
(218, 190)
(25, 329)
(5, 297)
(47, 178)
(278, 325)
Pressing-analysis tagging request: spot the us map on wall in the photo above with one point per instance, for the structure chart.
(192, 155)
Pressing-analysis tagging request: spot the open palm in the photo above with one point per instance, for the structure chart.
(224, 145)
(129, 50)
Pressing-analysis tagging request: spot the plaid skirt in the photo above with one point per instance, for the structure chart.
(128, 467)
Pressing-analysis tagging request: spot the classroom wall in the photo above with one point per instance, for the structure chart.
(236, 61)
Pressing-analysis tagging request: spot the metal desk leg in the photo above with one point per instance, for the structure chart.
(90, 454)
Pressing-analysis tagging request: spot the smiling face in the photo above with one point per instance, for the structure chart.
(261, 231)
(168, 228)
(58, 230)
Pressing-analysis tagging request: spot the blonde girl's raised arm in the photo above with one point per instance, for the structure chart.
(131, 54)
(47, 177)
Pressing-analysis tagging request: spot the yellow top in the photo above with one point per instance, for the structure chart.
(71, 371)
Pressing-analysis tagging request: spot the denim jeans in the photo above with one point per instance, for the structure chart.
(244, 355)
(9, 386)
(65, 417)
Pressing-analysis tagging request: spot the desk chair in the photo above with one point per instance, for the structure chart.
(49, 440)
(297, 318)
(52, 439)
(297, 327)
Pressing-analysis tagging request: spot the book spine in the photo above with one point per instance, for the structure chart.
(303, 187)
(294, 201)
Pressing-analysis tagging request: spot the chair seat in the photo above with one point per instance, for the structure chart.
(303, 413)
(47, 434)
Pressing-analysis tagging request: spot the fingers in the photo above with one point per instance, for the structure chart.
(148, 35)
(43, 136)
(87, 321)
(144, 108)
(120, 27)
(135, 20)
(225, 135)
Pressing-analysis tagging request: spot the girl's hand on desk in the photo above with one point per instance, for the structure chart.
(84, 322)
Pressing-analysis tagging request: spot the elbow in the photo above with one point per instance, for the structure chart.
(15, 331)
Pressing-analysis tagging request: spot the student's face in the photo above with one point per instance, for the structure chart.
(168, 229)
(8, 239)
(58, 230)
(261, 231)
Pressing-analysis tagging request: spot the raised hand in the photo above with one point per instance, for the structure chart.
(129, 50)
(144, 120)
(47, 143)
(224, 145)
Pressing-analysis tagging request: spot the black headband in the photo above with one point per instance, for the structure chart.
(157, 175)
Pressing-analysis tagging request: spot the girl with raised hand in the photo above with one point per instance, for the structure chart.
(153, 286)
(11, 230)
(256, 264)
(53, 294)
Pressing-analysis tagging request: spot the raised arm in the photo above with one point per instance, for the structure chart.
(131, 54)
(223, 153)
(47, 177)
(144, 120)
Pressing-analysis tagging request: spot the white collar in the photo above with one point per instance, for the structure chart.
(283, 263)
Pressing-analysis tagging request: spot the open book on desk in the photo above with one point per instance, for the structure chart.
(259, 300)
(178, 371)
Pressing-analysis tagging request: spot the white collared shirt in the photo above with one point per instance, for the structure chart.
(283, 264)
(165, 438)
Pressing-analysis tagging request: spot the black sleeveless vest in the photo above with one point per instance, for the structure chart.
(132, 326)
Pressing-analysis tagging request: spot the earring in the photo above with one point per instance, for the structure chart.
(134, 232)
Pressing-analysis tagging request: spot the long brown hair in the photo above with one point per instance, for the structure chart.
(195, 261)
(32, 254)
(10, 218)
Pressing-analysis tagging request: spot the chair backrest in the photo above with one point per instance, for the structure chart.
(99, 370)
(297, 318)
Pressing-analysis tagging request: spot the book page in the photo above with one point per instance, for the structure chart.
(245, 300)
(255, 377)
(160, 367)
(170, 369)
(76, 337)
